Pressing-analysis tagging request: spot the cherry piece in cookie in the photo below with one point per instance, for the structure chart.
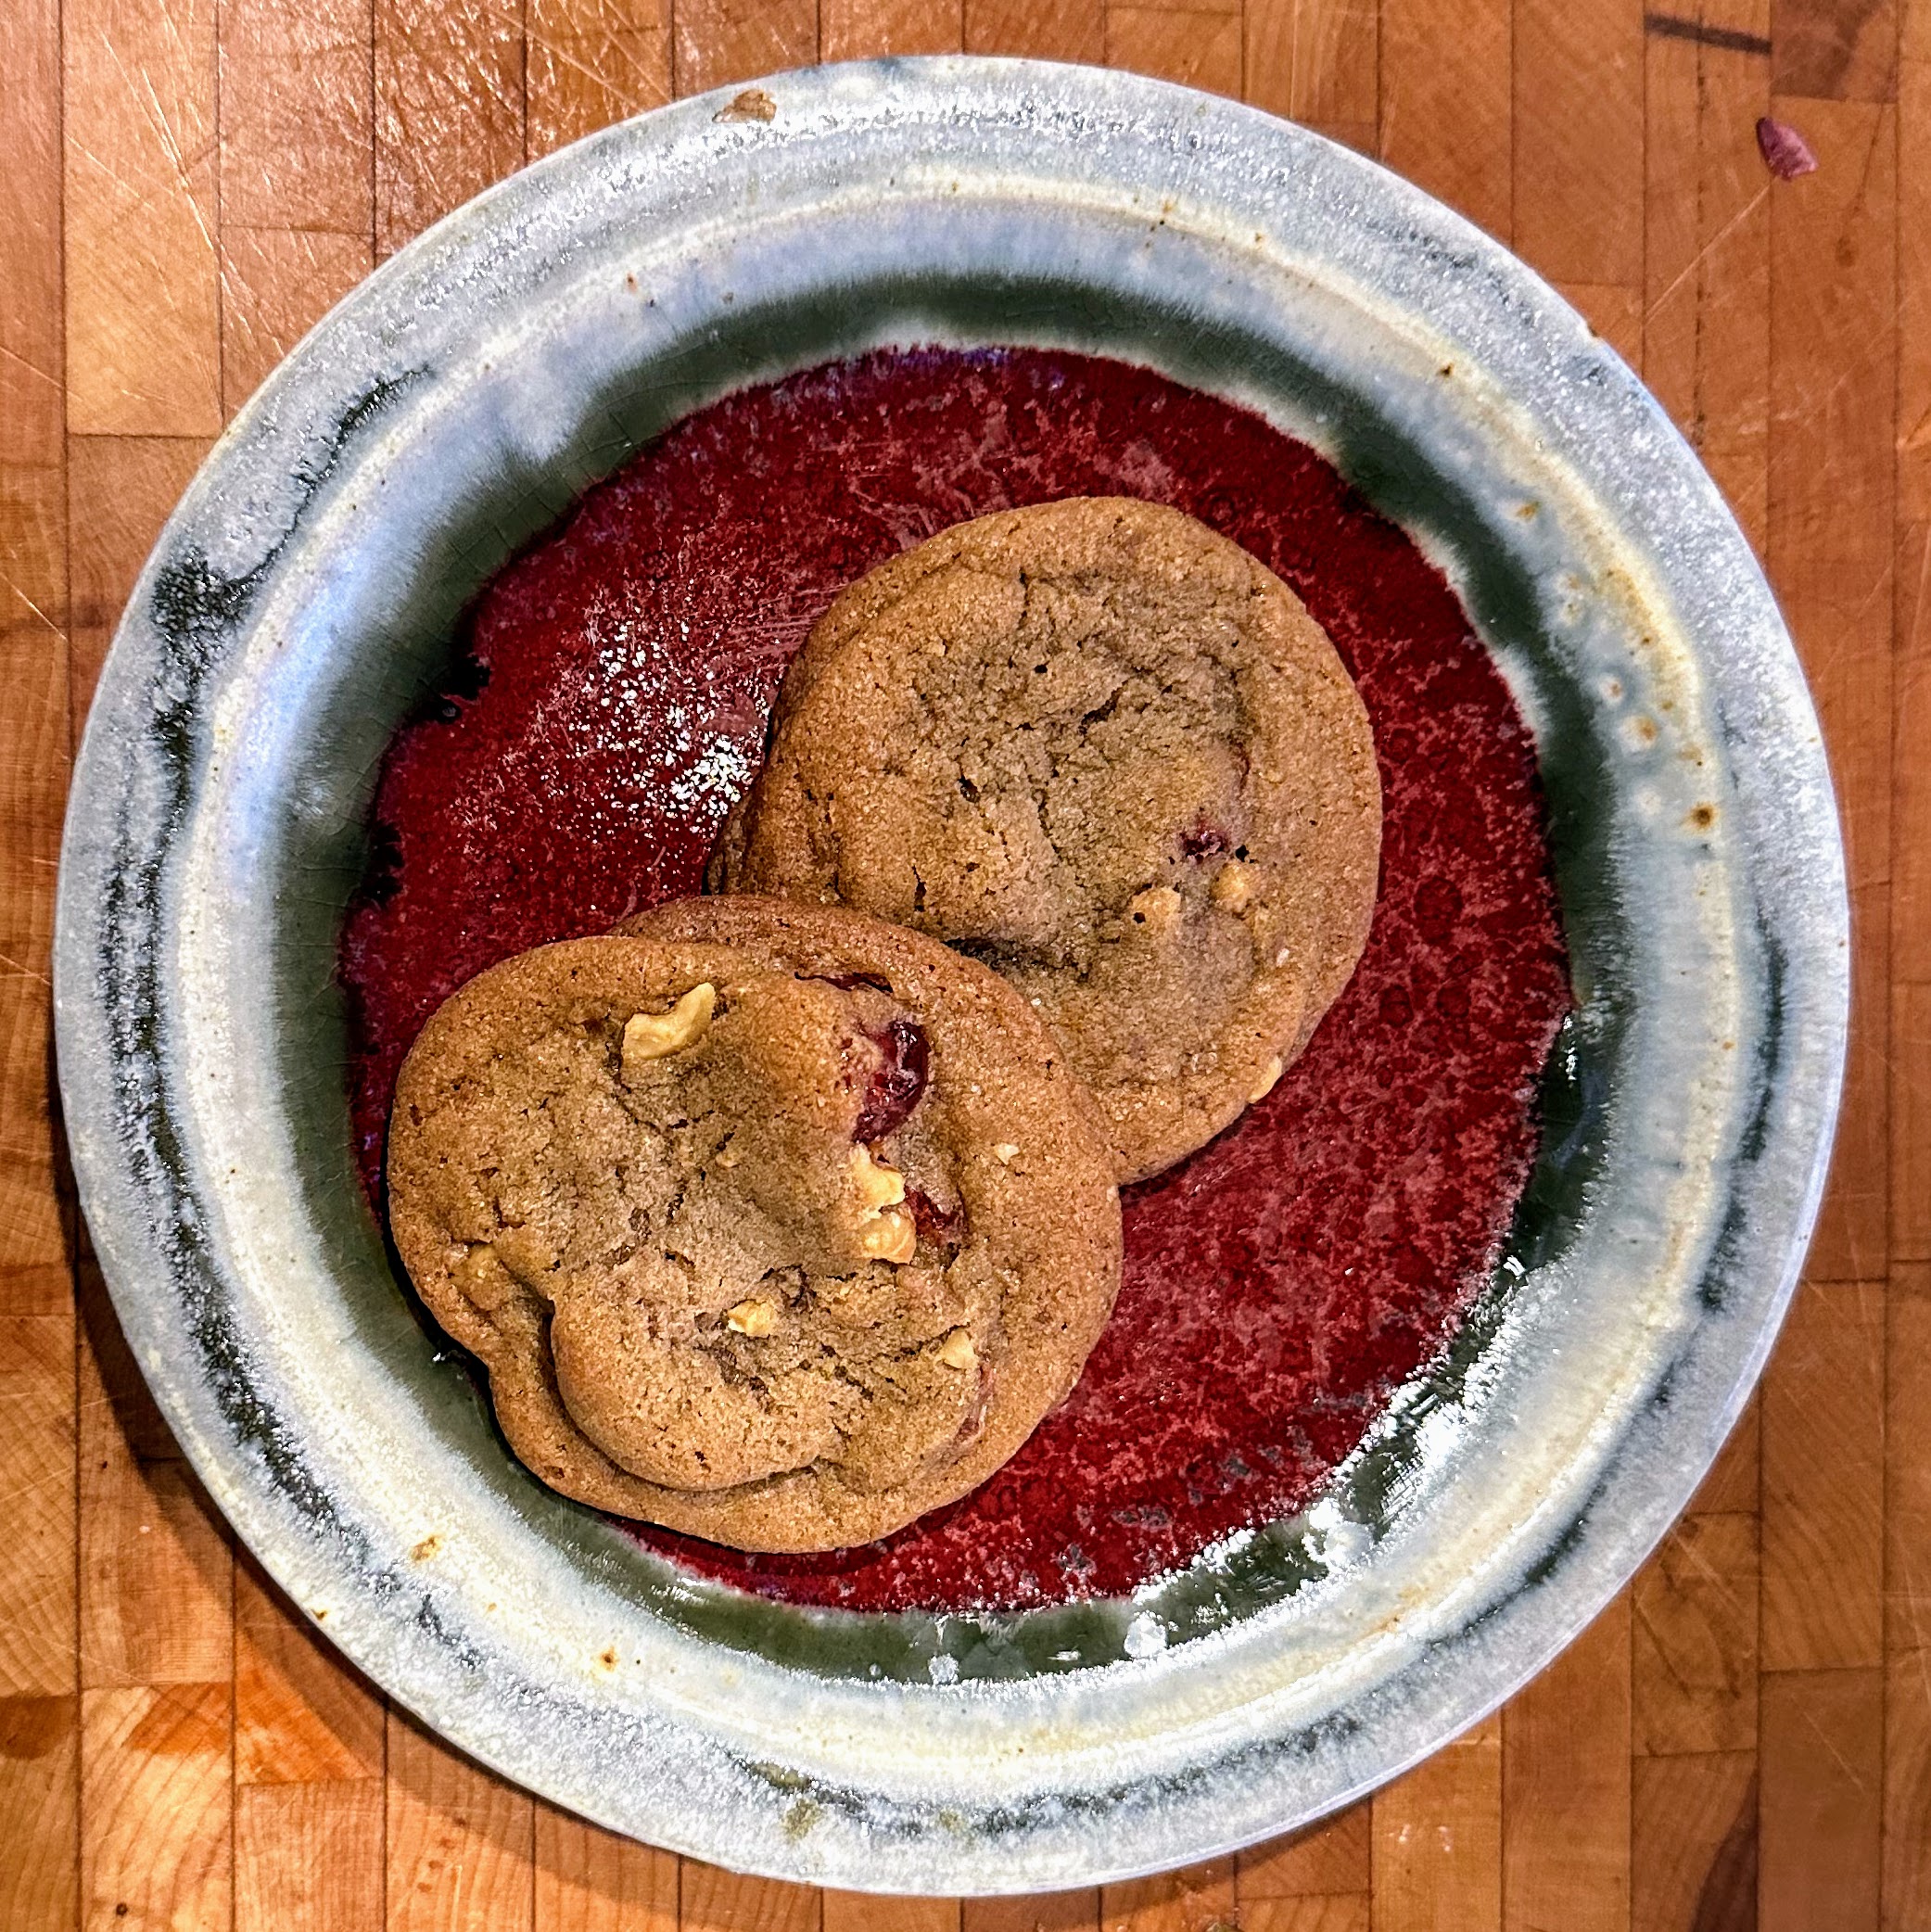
(1107, 751)
(716, 1204)
(898, 1080)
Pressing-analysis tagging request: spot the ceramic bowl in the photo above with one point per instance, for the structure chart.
(302, 598)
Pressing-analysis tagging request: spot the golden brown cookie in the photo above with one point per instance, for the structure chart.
(1109, 753)
(772, 1224)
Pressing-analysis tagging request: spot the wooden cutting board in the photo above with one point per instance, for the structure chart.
(1745, 1738)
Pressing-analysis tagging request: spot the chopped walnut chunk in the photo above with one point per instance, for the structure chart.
(649, 1036)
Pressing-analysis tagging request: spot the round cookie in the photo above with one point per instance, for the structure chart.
(1109, 753)
(774, 1225)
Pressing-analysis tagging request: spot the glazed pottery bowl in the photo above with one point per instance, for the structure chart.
(304, 596)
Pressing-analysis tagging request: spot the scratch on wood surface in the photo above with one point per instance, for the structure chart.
(13, 585)
(1707, 249)
(157, 117)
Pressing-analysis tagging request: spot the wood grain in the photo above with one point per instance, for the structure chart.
(308, 1858)
(1052, 1912)
(1335, 1856)
(717, 41)
(1693, 1842)
(1438, 1841)
(1905, 1880)
(1706, 317)
(860, 30)
(139, 218)
(39, 1710)
(461, 1843)
(302, 1715)
(156, 1847)
(1822, 1800)
(1833, 374)
(1317, 62)
(1565, 1788)
(1577, 191)
(591, 62)
(40, 1706)
(1907, 1409)
(1042, 29)
(1693, 1654)
(309, 1760)
(40, 1813)
(1746, 1741)
(449, 109)
(1822, 1580)
(712, 1901)
(1447, 105)
(858, 1912)
(34, 750)
(1906, 1883)
(1352, 1912)
(1910, 726)
(588, 1880)
(1201, 49)
(37, 1431)
(1836, 49)
(1200, 1898)
(157, 1656)
(297, 176)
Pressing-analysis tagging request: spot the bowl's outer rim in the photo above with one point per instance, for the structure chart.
(1820, 997)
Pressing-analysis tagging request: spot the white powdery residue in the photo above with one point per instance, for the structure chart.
(720, 774)
(1215, 1556)
(1146, 1636)
(1336, 1540)
(943, 1669)
(614, 636)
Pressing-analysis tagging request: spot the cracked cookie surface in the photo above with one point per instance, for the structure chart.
(772, 1225)
(1107, 751)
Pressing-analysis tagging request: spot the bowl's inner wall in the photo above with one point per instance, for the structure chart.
(321, 858)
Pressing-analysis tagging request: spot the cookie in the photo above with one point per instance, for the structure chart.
(1109, 753)
(772, 1224)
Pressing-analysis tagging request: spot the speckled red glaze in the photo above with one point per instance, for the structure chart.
(1283, 1282)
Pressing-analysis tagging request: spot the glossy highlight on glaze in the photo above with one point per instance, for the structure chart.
(1284, 1281)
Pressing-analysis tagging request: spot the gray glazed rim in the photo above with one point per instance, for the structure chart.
(294, 608)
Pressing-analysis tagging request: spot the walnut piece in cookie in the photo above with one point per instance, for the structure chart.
(1107, 751)
(716, 1209)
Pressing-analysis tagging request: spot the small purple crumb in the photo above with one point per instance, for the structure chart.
(1205, 840)
(1785, 152)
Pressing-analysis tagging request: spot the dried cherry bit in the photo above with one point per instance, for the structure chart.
(1785, 152)
(944, 1227)
(1205, 840)
(899, 1081)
